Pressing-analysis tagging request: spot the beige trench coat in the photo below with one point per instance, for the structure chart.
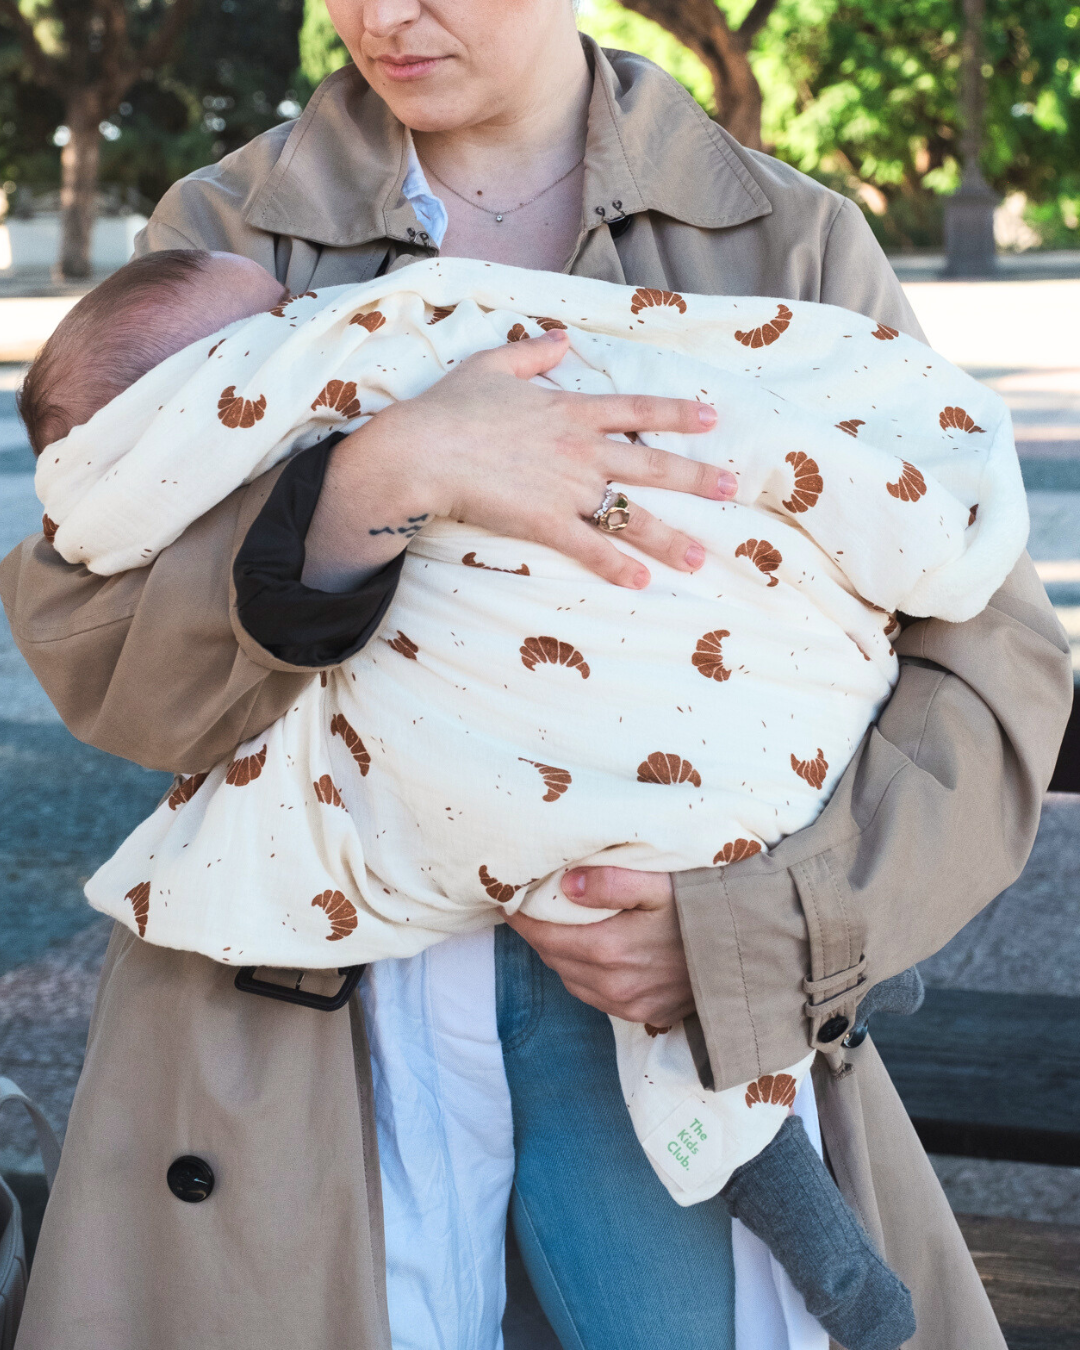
(935, 816)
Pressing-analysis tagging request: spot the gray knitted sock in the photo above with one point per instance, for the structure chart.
(786, 1197)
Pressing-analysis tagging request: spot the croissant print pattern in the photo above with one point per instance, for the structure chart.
(237, 412)
(406, 646)
(667, 769)
(326, 792)
(764, 557)
(372, 322)
(737, 851)
(813, 771)
(340, 912)
(808, 483)
(185, 789)
(768, 332)
(355, 746)
(517, 333)
(708, 658)
(339, 397)
(49, 528)
(279, 310)
(550, 651)
(971, 515)
(243, 771)
(950, 418)
(884, 333)
(851, 425)
(648, 297)
(555, 780)
(140, 903)
(911, 485)
(772, 1089)
(652, 1032)
(500, 891)
(470, 561)
(440, 312)
(549, 324)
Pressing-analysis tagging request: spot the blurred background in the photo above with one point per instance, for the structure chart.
(955, 126)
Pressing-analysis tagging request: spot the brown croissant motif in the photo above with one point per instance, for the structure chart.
(648, 297)
(234, 411)
(652, 1031)
(517, 333)
(851, 425)
(440, 312)
(185, 789)
(664, 768)
(470, 561)
(498, 890)
(884, 333)
(49, 528)
(548, 324)
(892, 623)
(737, 851)
(217, 344)
(812, 770)
(775, 1089)
(958, 418)
(326, 792)
(808, 484)
(708, 658)
(353, 743)
(971, 515)
(555, 780)
(340, 912)
(371, 322)
(911, 485)
(768, 332)
(279, 310)
(406, 646)
(140, 902)
(241, 772)
(764, 557)
(550, 651)
(339, 397)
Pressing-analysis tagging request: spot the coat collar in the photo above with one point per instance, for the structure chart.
(649, 147)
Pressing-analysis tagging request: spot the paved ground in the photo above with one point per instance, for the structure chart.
(66, 806)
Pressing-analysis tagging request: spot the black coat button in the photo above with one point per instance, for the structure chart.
(833, 1029)
(190, 1179)
(857, 1035)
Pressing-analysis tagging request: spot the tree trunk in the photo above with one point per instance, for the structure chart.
(702, 26)
(78, 184)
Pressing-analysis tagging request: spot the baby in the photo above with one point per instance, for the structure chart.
(516, 715)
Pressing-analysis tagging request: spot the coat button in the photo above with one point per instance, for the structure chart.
(833, 1028)
(856, 1036)
(190, 1179)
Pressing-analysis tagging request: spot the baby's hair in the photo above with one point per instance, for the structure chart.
(104, 344)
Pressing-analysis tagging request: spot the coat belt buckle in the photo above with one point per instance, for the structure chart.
(247, 983)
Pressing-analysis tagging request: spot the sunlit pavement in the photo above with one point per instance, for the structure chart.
(66, 806)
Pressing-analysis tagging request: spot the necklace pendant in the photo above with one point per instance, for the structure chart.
(498, 217)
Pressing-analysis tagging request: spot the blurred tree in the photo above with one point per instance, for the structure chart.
(89, 53)
(321, 50)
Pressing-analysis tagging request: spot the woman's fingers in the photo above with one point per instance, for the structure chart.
(591, 549)
(529, 357)
(639, 465)
(660, 541)
(644, 412)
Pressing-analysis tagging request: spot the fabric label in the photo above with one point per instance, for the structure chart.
(688, 1144)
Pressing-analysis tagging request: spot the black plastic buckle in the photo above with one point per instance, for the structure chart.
(248, 984)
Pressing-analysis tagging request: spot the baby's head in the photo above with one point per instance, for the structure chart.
(132, 321)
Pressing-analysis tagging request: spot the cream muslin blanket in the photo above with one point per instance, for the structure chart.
(515, 714)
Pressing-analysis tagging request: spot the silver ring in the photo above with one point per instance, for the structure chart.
(613, 513)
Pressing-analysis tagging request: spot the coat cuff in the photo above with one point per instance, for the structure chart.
(281, 622)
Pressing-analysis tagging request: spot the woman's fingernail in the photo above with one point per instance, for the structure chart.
(641, 579)
(554, 335)
(695, 556)
(706, 415)
(726, 484)
(573, 884)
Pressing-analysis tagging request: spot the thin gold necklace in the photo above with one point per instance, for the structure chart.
(508, 211)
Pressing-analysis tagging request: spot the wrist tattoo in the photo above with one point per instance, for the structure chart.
(413, 525)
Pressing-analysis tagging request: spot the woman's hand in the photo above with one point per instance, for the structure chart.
(632, 965)
(486, 447)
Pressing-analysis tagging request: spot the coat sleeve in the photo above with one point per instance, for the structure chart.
(934, 817)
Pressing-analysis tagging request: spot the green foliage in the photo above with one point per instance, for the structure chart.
(321, 50)
(613, 26)
(232, 77)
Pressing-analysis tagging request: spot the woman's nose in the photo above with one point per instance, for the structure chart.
(383, 18)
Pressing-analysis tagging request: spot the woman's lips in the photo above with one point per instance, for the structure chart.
(409, 67)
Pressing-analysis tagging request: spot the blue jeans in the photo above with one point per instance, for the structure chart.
(615, 1263)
